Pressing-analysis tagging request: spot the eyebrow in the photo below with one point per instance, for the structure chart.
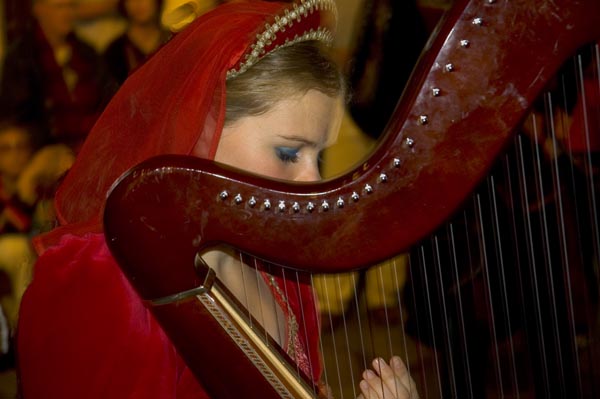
(299, 139)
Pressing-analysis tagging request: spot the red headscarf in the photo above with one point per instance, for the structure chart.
(175, 103)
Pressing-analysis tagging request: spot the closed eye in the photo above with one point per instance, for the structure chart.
(287, 154)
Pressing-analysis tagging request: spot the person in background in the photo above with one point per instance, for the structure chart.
(16, 252)
(27, 179)
(54, 80)
(98, 22)
(143, 37)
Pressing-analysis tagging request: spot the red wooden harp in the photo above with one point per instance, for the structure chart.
(477, 81)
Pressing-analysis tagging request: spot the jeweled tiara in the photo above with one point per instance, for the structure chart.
(309, 20)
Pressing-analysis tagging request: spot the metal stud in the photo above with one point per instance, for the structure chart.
(296, 207)
(423, 119)
(238, 199)
(409, 142)
(252, 202)
(325, 206)
(281, 206)
(436, 92)
(382, 178)
(224, 195)
(396, 162)
(340, 202)
(449, 67)
(465, 43)
(310, 207)
(478, 21)
(355, 197)
(368, 189)
(267, 205)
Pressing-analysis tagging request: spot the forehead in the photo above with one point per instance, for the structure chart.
(312, 115)
(311, 119)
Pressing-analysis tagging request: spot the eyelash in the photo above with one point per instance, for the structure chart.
(287, 155)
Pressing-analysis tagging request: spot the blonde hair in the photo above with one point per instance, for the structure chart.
(288, 71)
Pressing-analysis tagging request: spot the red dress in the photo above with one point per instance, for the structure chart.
(84, 333)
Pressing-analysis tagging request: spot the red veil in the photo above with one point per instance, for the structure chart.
(173, 104)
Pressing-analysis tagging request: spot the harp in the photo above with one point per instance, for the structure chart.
(476, 83)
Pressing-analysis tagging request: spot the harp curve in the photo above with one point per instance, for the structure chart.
(473, 86)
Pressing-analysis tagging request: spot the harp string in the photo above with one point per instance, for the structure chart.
(507, 169)
(304, 327)
(348, 363)
(561, 228)
(497, 287)
(525, 233)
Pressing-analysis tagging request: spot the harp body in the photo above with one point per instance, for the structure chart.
(473, 86)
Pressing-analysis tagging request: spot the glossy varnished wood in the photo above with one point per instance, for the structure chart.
(488, 61)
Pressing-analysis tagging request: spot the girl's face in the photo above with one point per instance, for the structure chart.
(285, 142)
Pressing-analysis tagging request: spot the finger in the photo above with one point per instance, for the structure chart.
(391, 381)
(401, 372)
(366, 390)
(372, 386)
(378, 389)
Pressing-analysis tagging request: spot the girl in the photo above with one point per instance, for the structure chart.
(247, 84)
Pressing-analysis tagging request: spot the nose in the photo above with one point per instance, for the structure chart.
(309, 173)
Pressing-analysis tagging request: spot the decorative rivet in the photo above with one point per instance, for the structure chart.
(252, 202)
(449, 67)
(436, 92)
(340, 202)
(281, 206)
(423, 119)
(325, 206)
(238, 199)
(368, 189)
(465, 43)
(382, 178)
(224, 195)
(491, 1)
(296, 207)
(409, 142)
(267, 205)
(478, 21)
(396, 162)
(310, 207)
(355, 197)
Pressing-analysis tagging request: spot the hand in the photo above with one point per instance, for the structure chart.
(388, 381)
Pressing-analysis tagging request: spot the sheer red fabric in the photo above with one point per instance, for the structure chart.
(83, 331)
(174, 101)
